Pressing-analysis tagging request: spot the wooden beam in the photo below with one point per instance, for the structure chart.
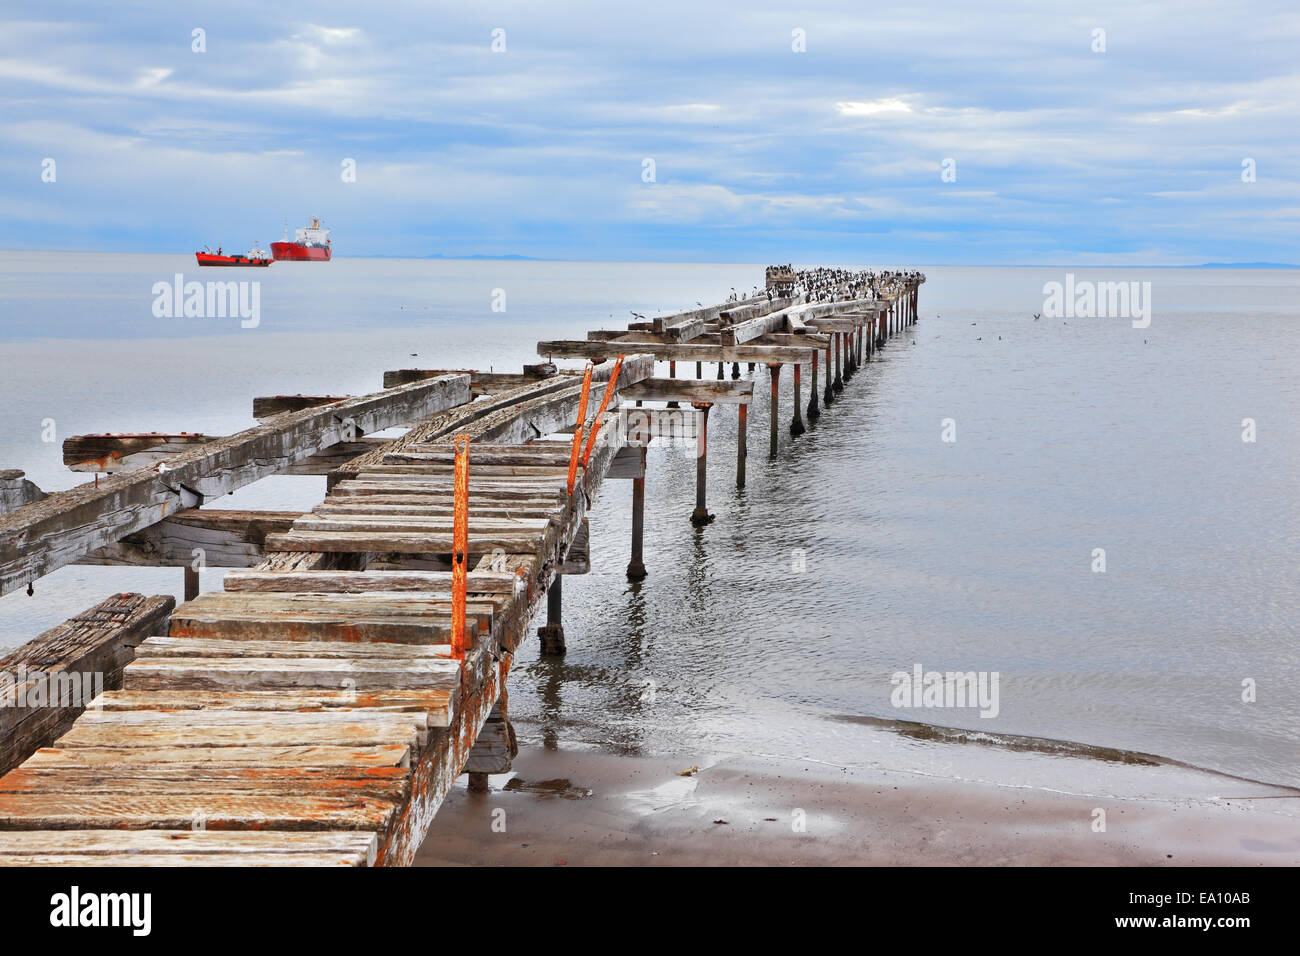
(268, 406)
(481, 383)
(665, 351)
(16, 491)
(109, 454)
(226, 539)
(46, 535)
(43, 683)
(712, 391)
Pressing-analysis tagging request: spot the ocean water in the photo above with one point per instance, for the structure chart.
(1072, 435)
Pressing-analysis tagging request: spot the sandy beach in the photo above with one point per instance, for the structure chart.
(582, 807)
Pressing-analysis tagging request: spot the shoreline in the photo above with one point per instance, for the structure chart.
(577, 805)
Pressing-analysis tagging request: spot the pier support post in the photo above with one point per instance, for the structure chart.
(735, 370)
(552, 632)
(751, 366)
(721, 366)
(775, 369)
(636, 567)
(191, 583)
(742, 443)
(699, 370)
(828, 396)
(846, 344)
(796, 425)
(860, 337)
(700, 516)
(672, 373)
(814, 412)
(838, 384)
(478, 783)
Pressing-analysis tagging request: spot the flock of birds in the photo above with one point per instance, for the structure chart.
(833, 285)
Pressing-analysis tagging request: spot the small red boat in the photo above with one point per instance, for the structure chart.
(254, 257)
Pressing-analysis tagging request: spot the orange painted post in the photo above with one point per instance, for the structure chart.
(460, 546)
(577, 432)
(604, 404)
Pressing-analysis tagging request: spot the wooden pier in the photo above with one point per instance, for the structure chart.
(317, 710)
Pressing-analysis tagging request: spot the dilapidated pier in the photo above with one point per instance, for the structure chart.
(317, 710)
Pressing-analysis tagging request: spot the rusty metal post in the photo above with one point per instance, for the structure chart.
(604, 404)
(846, 346)
(814, 412)
(735, 370)
(672, 373)
(828, 396)
(191, 583)
(552, 632)
(699, 370)
(775, 369)
(459, 545)
(721, 366)
(838, 384)
(742, 443)
(796, 425)
(636, 567)
(700, 516)
(577, 431)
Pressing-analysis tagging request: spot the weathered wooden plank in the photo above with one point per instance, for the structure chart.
(688, 352)
(390, 783)
(399, 543)
(16, 491)
(188, 847)
(47, 682)
(352, 582)
(268, 406)
(348, 650)
(209, 537)
(256, 673)
(130, 758)
(691, 390)
(67, 525)
(435, 706)
(216, 811)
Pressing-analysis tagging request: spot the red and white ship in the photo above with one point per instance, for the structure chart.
(311, 243)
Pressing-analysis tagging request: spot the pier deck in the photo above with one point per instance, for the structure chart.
(317, 709)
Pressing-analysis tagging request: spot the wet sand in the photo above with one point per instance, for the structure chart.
(577, 807)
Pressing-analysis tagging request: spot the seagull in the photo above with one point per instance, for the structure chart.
(1037, 316)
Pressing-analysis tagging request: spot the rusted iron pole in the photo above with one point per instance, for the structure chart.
(742, 443)
(735, 370)
(191, 583)
(699, 370)
(775, 369)
(721, 366)
(636, 567)
(838, 384)
(814, 412)
(552, 632)
(672, 373)
(459, 544)
(846, 346)
(796, 424)
(700, 516)
(828, 396)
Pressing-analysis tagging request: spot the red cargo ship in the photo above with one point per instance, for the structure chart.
(311, 243)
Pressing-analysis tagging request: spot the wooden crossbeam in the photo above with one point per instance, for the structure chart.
(691, 390)
(67, 525)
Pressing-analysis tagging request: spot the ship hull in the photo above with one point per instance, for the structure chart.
(298, 252)
(212, 259)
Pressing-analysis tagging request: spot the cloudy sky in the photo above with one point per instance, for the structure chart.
(1061, 154)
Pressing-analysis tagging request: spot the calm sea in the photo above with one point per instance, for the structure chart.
(974, 555)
